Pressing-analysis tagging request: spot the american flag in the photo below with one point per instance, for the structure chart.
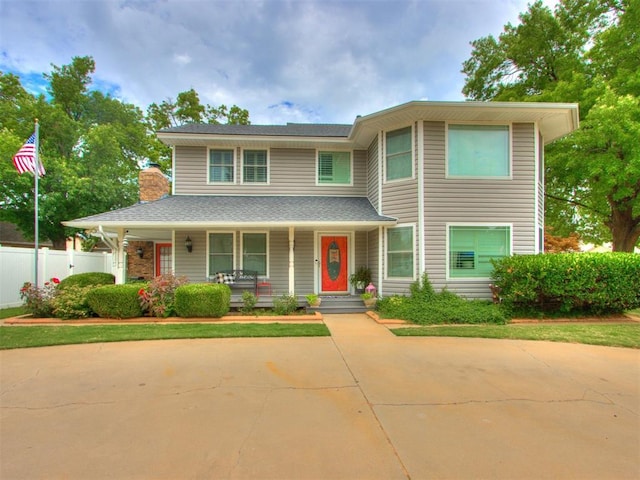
(25, 159)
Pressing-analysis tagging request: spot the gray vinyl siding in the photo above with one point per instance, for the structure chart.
(304, 262)
(476, 201)
(291, 172)
(373, 175)
(373, 246)
(192, 265)
(400, 200)
(361, 253)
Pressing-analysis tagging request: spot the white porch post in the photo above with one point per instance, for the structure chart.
(121, 266)
(292, 276)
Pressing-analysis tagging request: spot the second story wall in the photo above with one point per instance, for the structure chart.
(290, 172)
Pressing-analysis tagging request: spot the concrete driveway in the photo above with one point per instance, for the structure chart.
(362, 404)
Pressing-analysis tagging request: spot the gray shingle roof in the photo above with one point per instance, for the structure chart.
(290, 129)
(192, 209)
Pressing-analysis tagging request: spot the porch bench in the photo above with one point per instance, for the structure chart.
(238, 280)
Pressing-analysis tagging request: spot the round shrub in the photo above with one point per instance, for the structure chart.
(72, 303)
(115, 301)
(87, 279)
(202, 300)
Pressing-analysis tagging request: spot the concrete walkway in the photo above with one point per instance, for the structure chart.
(362, 404)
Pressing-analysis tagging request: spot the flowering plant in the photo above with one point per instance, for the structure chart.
(158, 297)
(39, 301)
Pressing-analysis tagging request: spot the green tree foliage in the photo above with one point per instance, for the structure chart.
(92, 146)
(586, 51)
(187, 108)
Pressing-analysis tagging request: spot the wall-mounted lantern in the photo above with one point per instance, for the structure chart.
(140, 252)
(188, 244)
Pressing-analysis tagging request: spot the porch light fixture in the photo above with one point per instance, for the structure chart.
(140, 252)
(188, 244)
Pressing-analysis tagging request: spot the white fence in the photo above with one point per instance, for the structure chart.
(17, 267)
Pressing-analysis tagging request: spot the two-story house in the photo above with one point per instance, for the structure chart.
(435, 187)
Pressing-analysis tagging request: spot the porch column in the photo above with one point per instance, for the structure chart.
(121, 266)
(292, 276)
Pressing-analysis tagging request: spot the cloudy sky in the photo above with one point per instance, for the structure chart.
(319, 61)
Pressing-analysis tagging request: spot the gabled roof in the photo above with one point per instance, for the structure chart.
(554, 120)
(208, 211)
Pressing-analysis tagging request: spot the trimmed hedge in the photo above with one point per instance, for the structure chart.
(115, 301)
(202, 300)
(88, 279)
(569, 283)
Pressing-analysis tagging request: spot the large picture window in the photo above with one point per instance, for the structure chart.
(334, 168)
(254, 252)
(254, 166)
(471, 249)
(400, 246)
(478, 151)
(220, 252)
(399, 163)
(221, 166)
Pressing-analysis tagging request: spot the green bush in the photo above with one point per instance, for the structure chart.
(72, 302)
(569, 283)
(249, 301)
(202, 300)
(87, 279)
(425, 306)
(285, 304)
(115, 301)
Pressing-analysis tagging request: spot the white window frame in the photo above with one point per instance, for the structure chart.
(241, 255)
(234, 257)
(386, 251)
(329, 150)
(234, 163)
(384, 156)
(481, 177)
(472, 224)
(242, 179)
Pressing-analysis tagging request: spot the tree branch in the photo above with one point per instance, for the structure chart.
(577, 204)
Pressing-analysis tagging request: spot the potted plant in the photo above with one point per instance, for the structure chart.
(360, 278)
(313, 299)
(369, 299)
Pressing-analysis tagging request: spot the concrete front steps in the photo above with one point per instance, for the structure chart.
(341, 304)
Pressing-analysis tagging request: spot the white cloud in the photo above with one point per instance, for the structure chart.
(283, 60)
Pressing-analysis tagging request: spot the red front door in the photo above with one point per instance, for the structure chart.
(334, 260)
(164, 260)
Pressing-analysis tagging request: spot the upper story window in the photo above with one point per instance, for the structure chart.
(399, 158)
(221, 166)
(254, 166)
(478, 151)
(471, 249)
(334, 168)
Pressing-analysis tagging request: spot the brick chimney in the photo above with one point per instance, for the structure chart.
(153, 184)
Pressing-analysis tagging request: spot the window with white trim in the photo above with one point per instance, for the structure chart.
(471, 249)
(221, 166)
(254, 166)
(334, 168)
(399, 154)
(220, 252)
(254, 252)
(400, 247)
(478, 151)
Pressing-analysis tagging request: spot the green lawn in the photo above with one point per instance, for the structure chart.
(41, 336)
(12, 312)
(613, 335)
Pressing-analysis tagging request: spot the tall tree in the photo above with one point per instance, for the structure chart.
(187, 108)
(586, 51)
(90, 144)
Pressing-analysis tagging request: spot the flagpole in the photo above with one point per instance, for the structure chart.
(35, 215)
